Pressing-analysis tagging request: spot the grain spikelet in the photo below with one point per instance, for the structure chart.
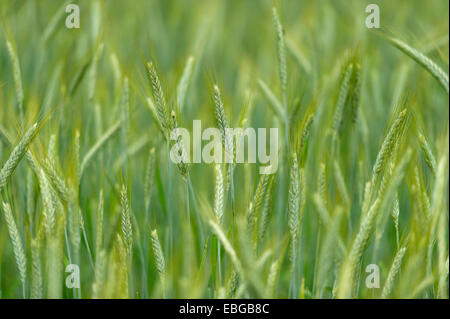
(232, 284)
(183, 164)
(349, 267)
(427, 152)
(123, 269)
(342, 97)
(395, 213)
(159, 258)
(256, 204)
(293, 204)
(19, 253)
(304, 135)
(395, 268)
(272, 278)
(222, 123)
(49, 204)
(218, 192)
(389, 142)
(36, 271)
(158, 97)
(354, 94)
(266, 208)
(127, 231)
(424, 61)
(56, 180)
(17, 154)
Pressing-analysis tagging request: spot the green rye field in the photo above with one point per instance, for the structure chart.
(92, 206)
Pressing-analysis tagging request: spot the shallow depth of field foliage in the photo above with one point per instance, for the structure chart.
(362, 179)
